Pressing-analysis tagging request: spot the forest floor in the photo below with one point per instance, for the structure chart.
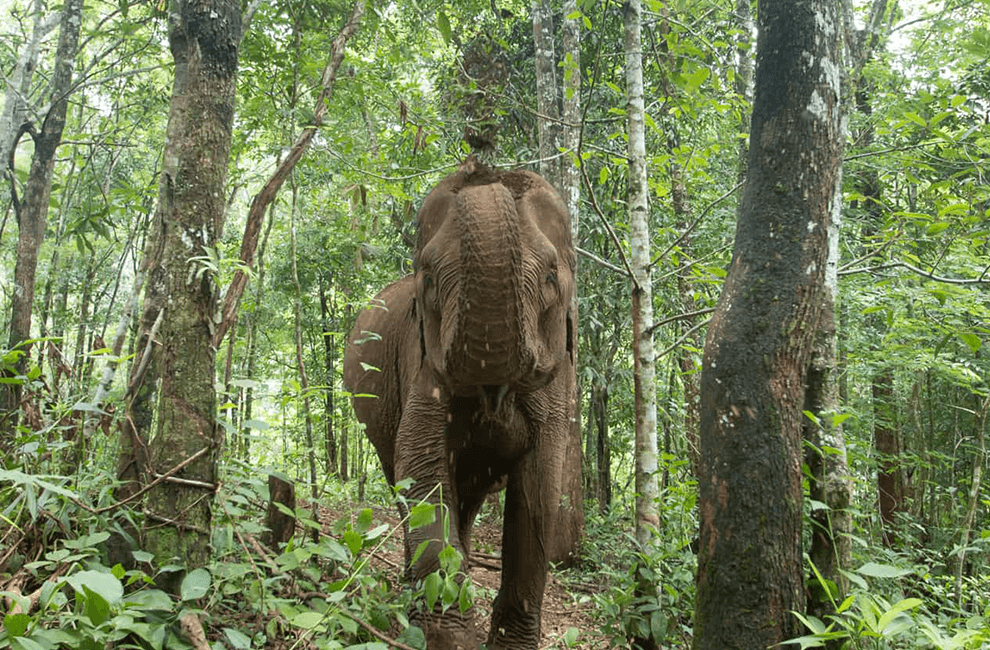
(562, 608)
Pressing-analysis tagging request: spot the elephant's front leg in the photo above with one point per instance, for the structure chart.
(531, 496)
(421, 455)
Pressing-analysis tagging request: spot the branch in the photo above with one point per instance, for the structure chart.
(594, 258)
(685, 316)
(925, 274)
(684, 337)
(872, 253)
(267, 194)
(694, 224)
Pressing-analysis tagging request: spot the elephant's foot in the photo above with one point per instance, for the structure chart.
(447, 631)
(516, 628)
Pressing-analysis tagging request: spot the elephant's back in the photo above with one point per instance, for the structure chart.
(377, 336)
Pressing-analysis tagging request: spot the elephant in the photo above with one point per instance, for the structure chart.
(463, 375)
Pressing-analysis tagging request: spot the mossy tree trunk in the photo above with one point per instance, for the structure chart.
(204, 37)
(760, 340)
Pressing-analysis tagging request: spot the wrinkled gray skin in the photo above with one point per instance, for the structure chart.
(476, 381)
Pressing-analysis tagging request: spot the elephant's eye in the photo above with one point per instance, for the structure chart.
(552, 276)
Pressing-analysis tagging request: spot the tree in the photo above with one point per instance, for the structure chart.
(204, 36)
(644, 370)
(32, 215)
(760, 339)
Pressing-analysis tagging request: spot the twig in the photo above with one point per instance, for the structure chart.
(685, 316)
(694, 224)
(684, 337)
(594, 258)
(925, 274)
(375, 632)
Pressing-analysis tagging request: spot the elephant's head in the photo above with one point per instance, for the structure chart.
(495, 277)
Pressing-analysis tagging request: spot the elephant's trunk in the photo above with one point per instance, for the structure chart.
(489, 346)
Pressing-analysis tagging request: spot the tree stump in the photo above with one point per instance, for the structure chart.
(281, 525)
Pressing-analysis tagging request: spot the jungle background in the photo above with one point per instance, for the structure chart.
(344, 117)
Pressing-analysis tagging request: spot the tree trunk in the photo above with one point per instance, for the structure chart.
(546, 91)
(890, 487)
(15, 109)
(33, 212)
(300, 362)
(569, 518)
(603, 452)
(328, 320)
(761, 337)
(204, 36)
(644, 370)
(744, 75)
(979, 423)
(831, 483)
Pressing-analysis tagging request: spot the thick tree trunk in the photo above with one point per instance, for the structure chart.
(759, 345)
(32, 214)
(204, 36)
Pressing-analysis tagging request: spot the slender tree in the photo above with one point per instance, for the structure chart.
(644, 369)
(32, 213)
(759, 344)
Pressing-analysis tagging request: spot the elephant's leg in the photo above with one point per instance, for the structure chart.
(422, 456)
(532, 491)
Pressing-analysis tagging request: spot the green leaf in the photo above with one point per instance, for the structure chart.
(571, 637)
(16, 624)
(364, 519)
(96, 608)
(25, 643)
(443, 24)
(195, 584)
(307, 620)
(151, 599)
(354, 542)
(971, 340)
(431, 589)
(422, 514)
(105, 584)
(897, 610)
(875, 570)
(419, 551)
(238, 639)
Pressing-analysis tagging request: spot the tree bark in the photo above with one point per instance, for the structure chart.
(546, 91)
(644, 369)
(569, 518)
(32, 214)
(973, 502)
(328, 319)
(761, 337)
(831, 482)
(300, 361)
(204, 36)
